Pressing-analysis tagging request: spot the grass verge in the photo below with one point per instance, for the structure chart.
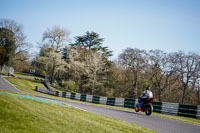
(21, 115)
(28, 86)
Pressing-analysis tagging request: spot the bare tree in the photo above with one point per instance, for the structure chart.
(56, 37)
(161, 70)
(197, 90)
(134, 59)
(187, 68)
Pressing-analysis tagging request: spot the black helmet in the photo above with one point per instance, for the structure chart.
(148, 88)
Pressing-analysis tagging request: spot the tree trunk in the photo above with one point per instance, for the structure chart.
(93, 84)
(183, 97)
(135, 88)
(159, 94)
(52, 74)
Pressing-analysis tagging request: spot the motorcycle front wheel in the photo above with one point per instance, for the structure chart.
(136, 108)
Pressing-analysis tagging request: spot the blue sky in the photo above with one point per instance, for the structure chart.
(168, 25)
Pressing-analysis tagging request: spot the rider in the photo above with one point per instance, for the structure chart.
(145, 95)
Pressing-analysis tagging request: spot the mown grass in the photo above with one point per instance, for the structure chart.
(25, 84)
(28, 85)
(21, 115)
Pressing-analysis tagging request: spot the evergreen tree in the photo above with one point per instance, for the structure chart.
(8, 46)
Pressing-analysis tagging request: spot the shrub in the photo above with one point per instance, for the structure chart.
(69, 86)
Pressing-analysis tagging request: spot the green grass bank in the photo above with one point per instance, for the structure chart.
(28, 86)
(22, 115)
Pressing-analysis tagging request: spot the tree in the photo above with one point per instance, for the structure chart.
(8, 45)
(85, 58)
(90, 68)
(56, 38)
(17, 30)
(89, 41)
(92, 41)
(2, 55)
(187, 67)
(21, 63)
(121, 80)
(51, 63)
(95, 69)
(133, 59)
(161, 71)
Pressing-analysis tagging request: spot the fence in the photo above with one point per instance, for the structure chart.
(6, 69)
(159, 107)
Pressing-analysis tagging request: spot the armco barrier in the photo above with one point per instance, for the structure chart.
(119, 102)
(187, 110)
(110, 101)
(78, 96)
(57, 93)
(73, 95)
(89, 98)
(68, 95)
(83, 97)
(63, 94)
(103, 100)
(95, 99)
(198, 112)
(159, 107)
(60, 94)
(170, 108)
(129, 103)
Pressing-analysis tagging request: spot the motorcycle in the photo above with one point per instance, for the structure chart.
(146, 107)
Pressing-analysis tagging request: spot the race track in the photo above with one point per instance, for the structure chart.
(157, 123)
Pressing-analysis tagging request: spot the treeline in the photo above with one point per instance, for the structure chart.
(83, 66)
(174, 77)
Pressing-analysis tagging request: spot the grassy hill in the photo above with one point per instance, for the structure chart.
(22, 115)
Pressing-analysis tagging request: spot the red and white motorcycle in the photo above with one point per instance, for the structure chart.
(146, 107)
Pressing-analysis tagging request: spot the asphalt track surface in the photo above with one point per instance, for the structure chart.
(157, 123)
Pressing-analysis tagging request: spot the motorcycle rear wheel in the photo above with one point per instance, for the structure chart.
(148, 110)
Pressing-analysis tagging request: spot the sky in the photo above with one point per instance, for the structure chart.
(167, 25)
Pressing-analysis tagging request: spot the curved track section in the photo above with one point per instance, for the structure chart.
(157, 123)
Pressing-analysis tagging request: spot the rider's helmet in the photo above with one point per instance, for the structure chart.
(148, 88)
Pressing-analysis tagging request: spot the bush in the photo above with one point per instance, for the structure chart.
(56, 86)
(69, 86)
